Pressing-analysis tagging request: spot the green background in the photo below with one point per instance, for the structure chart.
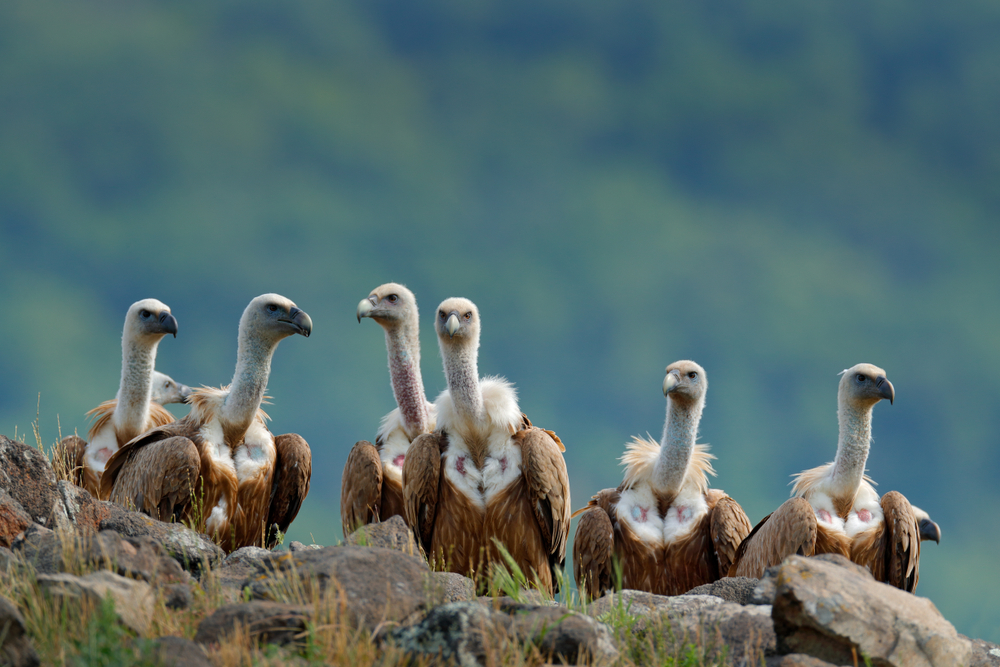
(778, 192)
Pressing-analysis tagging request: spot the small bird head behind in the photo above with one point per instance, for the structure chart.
(389, 305)
(150, 319)
(274, 317)
(167, 390)
(685, 381)
(865, 385)
(457, 320)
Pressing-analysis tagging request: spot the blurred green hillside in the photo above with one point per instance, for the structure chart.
(777, 191)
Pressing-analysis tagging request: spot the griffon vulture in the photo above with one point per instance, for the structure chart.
(835, 509)
(486, 474)
(219, 467)
(133, 410)
(372, 485)
(667, 529)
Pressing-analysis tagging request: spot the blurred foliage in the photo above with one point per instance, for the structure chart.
(778, 191)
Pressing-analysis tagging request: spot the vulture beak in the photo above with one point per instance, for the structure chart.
(452, 325)
(885, 389)
(185, 391)
(169, 323)
(670, 382)
(366, 307)
(929, 531)
(301, 321)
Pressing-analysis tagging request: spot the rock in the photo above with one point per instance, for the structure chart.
(448, 587)
(15, 649)
(13, 519)
(178, 652)
(765, 590)
(192, 550)
(267, 622)
(731, 589)
(464, 631)
(377, 585)
(298, 546)
(177, 596)
(827, 606)
(708, 620)
(796, 660)
(137, 557)
(133, 599)
(26, 475)
(984, 653)
(390, 534)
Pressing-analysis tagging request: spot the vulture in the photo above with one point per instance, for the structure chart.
(219, 468)
(667, 530)
(167, 390)
(135, 409)
(486, 476)
(371, 489)
(835, 509)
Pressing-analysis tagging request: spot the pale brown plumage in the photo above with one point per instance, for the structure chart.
(668, 531)
(836, 508)
(371, 485)
(486, 475)
(220, 468)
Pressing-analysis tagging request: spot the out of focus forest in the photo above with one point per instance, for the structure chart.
(777, 191)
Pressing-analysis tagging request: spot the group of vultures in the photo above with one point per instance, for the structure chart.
(473, 478)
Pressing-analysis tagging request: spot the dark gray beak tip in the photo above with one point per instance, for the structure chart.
(930, 531)
(169, 323)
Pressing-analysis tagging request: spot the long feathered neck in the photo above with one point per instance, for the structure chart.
(403, 345)
(253, 367)
(461, 369)
(136, 387)
(852, 446)
(679, 433)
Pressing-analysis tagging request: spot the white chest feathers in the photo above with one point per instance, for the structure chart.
(637, 509)
(395, 445)
(501, 468)
(102, 445)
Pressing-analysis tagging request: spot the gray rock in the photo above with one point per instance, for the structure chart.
(177, 596)
(15, 649)
(562, 636)
(825, 607)
(390, 534)
(13, 519)
(179, 652)
(378, 585)
(194, 551)
(133, 599)
(25, 473)
(298, 546)
(796, 660)
(445, 587)
(984, 653)
(267, 622)
(765, 589)
(731, 589)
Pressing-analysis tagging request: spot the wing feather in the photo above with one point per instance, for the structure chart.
(789, 529)
(361, 487)
(729, 527)
(544, 470)
(292, 474)
(593, 547)
(422, 484)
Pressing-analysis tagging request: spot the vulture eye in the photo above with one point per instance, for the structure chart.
(273, 308)
(392, 298)
(468, 316)
(144, 314)
(441, 314)
(861, 378)
(692, 375)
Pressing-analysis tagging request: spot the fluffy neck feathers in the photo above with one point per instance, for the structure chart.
(403, 345)
(679, 433)
(138, 360)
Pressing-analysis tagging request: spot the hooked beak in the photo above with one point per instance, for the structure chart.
(452, 325)
(885, 389)
(185, 392)
(366, 307)
(169, 323)
(301, 321)
(929, 531)
(670, 382)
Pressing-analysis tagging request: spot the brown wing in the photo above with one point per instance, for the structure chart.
(892, 551)
(422, 484)
(788, 530)
(545, 475)
(187, 427)
(593, 547)
(290, 486)
(159, 479)
(729, 526)
(360, 487)
(73, 450)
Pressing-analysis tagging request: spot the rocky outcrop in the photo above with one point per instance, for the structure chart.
(178, 652)
(739, 590)
(133, 599)
(390, 534)
(15, 649)
(25, 474)
(832, 609)
(266, 622)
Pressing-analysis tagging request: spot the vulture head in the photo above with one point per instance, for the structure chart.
(685, 381)
(148, 321)
(927, 528)
(273, 317)
(457, 323)
(390, 305)
(167, 390)
(865, 385)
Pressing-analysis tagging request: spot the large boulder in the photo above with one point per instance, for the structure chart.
(133, 599)
(832, 609)
(15, 649)
(390, 534)
(178, 652)
(231, 574)
(194, 551)
(376, 585)
(266, 622)
(13, 519)
(26, 475)
(731, 589)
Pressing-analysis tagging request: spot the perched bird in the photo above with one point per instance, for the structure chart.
(167, 390)
(219, 467)
(926, 528)
(486, 474)
(835, 509)
(667, 529)
(372, 485)
(133, 410)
